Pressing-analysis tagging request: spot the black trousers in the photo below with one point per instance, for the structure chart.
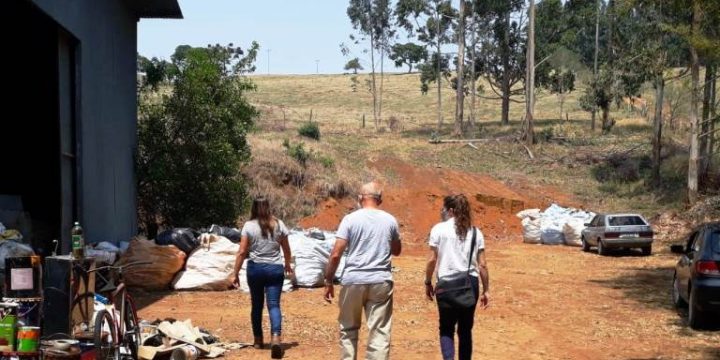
(460, 320)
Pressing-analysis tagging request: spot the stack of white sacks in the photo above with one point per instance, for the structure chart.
(210, 266)
(554, 226)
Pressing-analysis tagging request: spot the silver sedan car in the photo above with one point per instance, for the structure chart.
(615, 231)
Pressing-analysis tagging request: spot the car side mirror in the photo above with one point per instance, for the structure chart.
(586, 224)
(677, 249)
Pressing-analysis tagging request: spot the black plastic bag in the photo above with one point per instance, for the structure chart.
(183, 238)
(231, 234)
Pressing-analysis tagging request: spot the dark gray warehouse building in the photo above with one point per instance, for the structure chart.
(68, 130)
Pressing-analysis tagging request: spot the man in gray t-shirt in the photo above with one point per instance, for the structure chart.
(370, 236)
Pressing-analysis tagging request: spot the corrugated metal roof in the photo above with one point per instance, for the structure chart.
(164, 9)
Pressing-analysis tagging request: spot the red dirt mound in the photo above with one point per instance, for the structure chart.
(414, 195)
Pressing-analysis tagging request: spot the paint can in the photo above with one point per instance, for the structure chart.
(187, 352)
(28, 338)
(8, 321)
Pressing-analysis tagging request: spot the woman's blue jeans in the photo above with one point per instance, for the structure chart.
(265, 279)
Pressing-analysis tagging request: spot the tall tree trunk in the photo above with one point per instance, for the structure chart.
(597, 49)
(712, 132)
(439, 76)
(657, 128)
(705, 128)
(611, 31)
(373, 88)
(382, 80)
(473, 77)
(460, 86)
(530, 79)
(606, 119)
(694, 163)
(505, 88)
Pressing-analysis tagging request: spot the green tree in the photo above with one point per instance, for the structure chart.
(373, 20)
(503, 49)
(648, 51)
(354, 65)
(408, 54)
(558, 66)
(600, 94)
(142, 63)
(180, 54)
(559, 73)
(192, 143)
(431, 22)
(156, 71)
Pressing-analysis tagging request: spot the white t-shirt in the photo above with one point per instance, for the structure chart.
(453, 252)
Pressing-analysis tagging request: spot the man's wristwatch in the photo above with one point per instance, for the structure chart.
(328, 282)
(428, 282)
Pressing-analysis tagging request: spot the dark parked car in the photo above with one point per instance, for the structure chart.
(696, 282)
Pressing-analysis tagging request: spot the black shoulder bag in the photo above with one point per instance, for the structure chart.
(458, 293)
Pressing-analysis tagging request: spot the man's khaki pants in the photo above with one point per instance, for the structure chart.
(377, 300)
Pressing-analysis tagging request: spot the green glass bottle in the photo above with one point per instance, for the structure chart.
(78, 241)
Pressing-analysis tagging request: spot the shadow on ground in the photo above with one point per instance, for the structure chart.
(144, 299)
(650, 286)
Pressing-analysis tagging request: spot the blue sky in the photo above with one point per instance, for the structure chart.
(297, 32)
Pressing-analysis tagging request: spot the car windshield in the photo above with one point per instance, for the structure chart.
(715, 241)
(625, 220)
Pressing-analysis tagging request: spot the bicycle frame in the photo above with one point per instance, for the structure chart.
(119, 296)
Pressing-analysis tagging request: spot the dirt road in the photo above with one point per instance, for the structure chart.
(547, 303)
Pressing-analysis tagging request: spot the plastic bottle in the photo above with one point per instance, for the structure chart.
(78, 241)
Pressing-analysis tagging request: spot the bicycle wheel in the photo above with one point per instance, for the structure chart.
(105, 336)
(82, 309)
(131, 331)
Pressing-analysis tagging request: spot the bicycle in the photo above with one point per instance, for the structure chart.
(116, 332)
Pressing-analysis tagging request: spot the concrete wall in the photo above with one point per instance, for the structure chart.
(106, 118)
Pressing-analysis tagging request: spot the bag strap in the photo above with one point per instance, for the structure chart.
(472, 249)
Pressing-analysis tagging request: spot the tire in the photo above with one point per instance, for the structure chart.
(131, 333)
(585, 245)
(695, 316)
(601, 248)
(83, 305)
(105, 346)
(677, 299)
(647, 250)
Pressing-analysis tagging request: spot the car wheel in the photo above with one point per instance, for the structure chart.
(585, 245)
(695, 316)
(677, 299)
(647, 250)
(601, 248)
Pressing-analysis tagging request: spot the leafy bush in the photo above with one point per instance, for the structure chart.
(326, 161)
(192, 143)
(310, 130)
(545, 135)
(297, 151)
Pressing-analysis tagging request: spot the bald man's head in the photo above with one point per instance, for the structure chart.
(370, 192)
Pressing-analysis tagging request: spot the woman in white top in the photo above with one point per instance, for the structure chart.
(261, 240)
(450, 255)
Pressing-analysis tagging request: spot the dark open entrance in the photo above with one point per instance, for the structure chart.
(38, 187)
